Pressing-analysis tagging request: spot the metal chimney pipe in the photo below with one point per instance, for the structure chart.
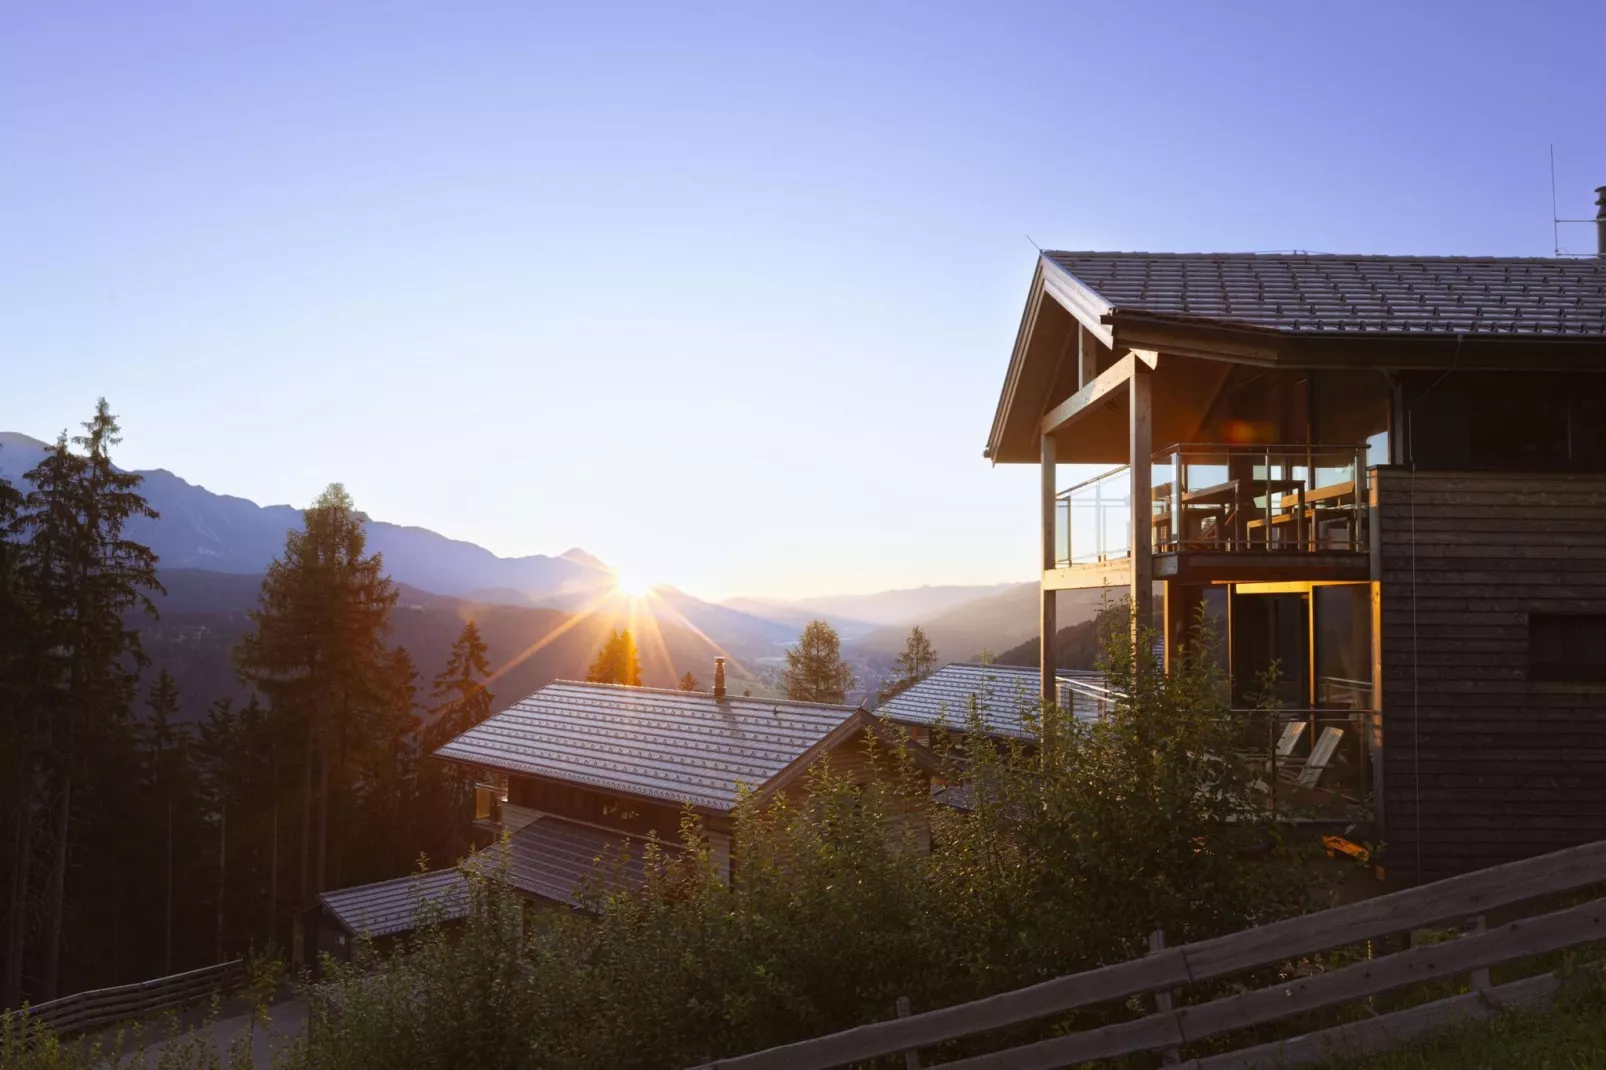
(1600, 222)
(719, 679)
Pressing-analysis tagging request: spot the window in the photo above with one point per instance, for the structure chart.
(1567, 647)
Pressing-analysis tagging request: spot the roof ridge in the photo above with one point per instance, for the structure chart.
(709, 695)
(1295, 254)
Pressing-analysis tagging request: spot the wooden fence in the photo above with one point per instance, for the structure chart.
(1460, 899)
(83, 1011)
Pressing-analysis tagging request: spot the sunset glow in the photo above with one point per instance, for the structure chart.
(632, 584)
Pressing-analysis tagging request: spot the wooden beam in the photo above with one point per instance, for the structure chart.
(1048, 597)
(1140, 465)
(1103, 385)
(1087, 356)
(1114, 573)
(1088, 307)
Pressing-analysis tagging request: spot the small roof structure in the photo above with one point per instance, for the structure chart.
(682, 747)
(1001, 694)
(394, 906)
(551, 857)
(562, 860)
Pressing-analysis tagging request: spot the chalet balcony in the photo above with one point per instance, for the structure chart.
(1223, 511)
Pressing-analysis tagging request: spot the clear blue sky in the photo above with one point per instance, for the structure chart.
(722, 294)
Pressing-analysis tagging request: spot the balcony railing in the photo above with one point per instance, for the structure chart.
(1222, 498)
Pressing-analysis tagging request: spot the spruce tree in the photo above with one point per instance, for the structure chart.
(85, 581)
(814, 668)
(689, 682)
(316, 650)
(919, 657)
(617, 662)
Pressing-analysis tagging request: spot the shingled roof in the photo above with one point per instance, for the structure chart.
(394, 906)
(678, 746)
(1306, 293)
(1001, 695)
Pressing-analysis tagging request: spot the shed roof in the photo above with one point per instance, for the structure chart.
(678, 746)
(562, 860)
(1003, 695)
(1331, 294)
(387, 907)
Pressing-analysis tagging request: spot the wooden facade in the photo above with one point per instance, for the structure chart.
(1385, 476)
(1482, 763)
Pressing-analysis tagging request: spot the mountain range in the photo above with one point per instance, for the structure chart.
(213, 549)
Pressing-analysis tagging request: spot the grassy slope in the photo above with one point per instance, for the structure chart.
(1570, 1037)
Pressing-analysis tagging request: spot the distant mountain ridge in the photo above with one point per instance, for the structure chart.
(200, 529)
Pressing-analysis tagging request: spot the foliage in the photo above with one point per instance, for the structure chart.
(814, 668)
(1070, 857)
(317, 653)
(463, 701)
(688, 682)
(916, 662)
(617, 662)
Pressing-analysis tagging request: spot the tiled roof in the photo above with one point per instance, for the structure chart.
(1003, 695)
(680, 746)
(394, 906)
(1326, 294)
(563, 860)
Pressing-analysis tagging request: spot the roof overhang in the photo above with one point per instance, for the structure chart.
(1058, 303)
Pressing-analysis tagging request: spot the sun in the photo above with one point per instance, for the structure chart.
(631, 584)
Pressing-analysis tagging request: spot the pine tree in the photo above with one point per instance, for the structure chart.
(814, 668)
(316, 650)
(168, 764)
(689, 682)
(919, 657)
(617, 662)
(84, 580)
(463, 699)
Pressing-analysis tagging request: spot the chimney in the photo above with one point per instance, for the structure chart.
(1600, 222)
(719, 676)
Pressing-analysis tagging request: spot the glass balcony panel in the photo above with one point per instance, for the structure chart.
(1223, 498)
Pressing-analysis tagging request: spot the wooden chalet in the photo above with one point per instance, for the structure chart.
(1386, 475)
(606, 764)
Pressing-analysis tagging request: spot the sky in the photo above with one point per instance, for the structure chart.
(724, 294)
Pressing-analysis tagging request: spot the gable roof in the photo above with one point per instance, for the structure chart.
(1310, 293)
(1002, 694)
(675, 746)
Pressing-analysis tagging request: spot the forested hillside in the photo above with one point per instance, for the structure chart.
(189, 757)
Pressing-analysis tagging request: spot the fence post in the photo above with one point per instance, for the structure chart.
(1162, 999)
(911, 1056)
(1480, 977)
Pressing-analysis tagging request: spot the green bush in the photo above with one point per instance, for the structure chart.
(1072, 853)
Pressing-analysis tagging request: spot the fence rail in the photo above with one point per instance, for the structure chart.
(82, 1011)
(1458, 899)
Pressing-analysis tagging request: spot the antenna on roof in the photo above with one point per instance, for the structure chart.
(1039, 248)
(1556, 221)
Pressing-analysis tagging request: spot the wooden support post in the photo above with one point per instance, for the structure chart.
(1162, 999)
(1087, 356)
(1048, 625)
(1480, 977)
(911, 1056)
(1140, 451)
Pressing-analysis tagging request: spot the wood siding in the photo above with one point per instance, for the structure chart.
(1480, 764)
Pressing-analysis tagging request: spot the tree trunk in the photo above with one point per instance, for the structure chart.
(306, 821)
(167, 921)
(17, 941)
(323, 821)
(273, 868)
(58, 894)
(222, 872)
